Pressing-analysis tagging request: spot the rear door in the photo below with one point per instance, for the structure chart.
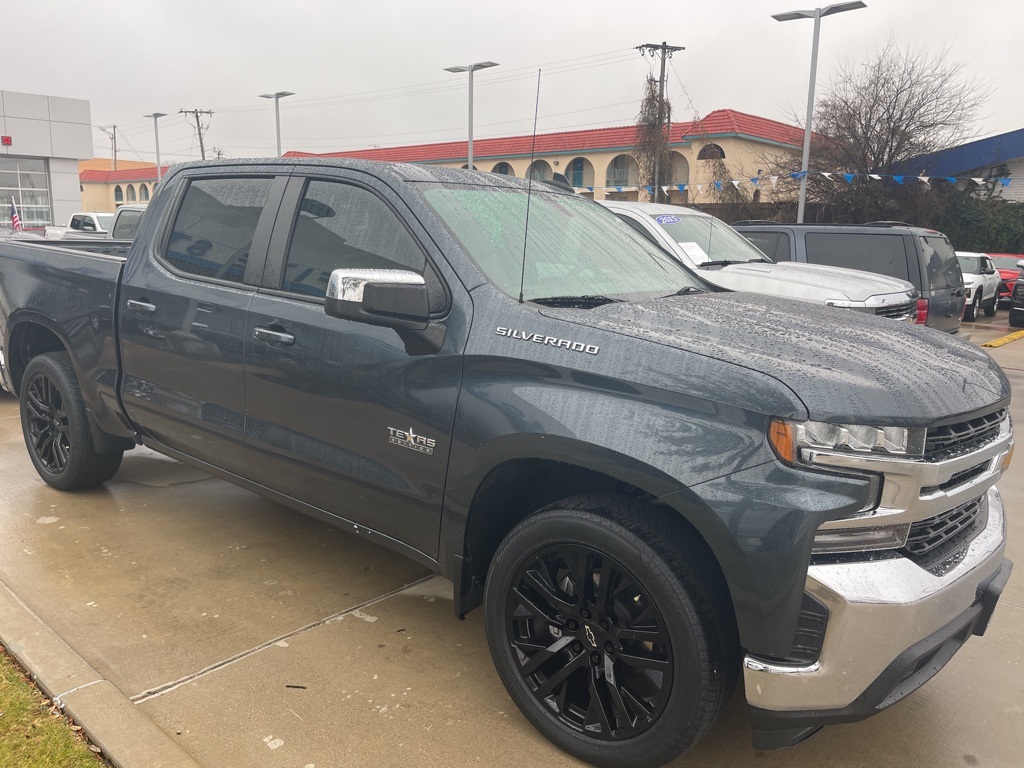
(944, 286)
(341, 414)
(183, 310)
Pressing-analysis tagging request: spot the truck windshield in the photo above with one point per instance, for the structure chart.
(707, 239)
(574, 248)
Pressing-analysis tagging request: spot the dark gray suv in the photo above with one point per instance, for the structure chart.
(922, 256)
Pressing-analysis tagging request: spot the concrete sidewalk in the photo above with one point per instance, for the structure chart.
(183, 622)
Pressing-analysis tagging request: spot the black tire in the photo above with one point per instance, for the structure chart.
(56, 427)
(604, 706)
(1016, 318)
(990, 308)
(971, 313)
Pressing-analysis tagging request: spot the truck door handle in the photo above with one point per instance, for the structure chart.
(271, 336)
(142, 307)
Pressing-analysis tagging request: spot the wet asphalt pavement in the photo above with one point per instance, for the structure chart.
(185, 621)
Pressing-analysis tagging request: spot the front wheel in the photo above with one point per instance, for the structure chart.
(56, 426)
(990, 308)
(971, 313)
(609, 632)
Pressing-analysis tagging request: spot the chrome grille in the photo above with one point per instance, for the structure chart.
(897, 311)
(929, 534)
(952, 436)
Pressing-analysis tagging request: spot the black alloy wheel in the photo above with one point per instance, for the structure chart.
(611, 629)
(47, 423)
(56, 426)
(590, 642)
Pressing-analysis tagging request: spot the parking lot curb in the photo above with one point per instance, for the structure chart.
(127, 737)
(1004, 339)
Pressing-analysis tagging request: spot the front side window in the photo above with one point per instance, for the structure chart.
(214, 228)
(970, 265)
(341, 226)
(574, 247)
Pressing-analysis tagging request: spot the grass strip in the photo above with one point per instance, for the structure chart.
(33, 733)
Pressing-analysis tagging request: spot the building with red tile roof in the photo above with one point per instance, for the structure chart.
(104, 189)
(726, 145)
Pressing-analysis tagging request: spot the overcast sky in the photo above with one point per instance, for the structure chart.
(371, 73)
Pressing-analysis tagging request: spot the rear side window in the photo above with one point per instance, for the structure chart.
(341, 226)
(127, 225)
(882, 254)
(213, 231)
(941, 264)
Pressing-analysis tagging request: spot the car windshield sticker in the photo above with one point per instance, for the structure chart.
(668, 219)
(694, 251)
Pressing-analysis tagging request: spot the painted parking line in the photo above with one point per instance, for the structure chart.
(1004, 339)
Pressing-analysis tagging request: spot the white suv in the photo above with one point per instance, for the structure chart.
(981, 284)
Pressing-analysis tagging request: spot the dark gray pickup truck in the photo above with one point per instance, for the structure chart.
(650, 486)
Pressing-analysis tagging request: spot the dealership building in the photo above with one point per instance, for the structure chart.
(43, 138)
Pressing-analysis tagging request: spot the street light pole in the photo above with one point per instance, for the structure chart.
(817, 14)
(470, 68)
(277, 112)
(156, 135)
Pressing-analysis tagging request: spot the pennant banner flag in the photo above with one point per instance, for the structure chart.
(736, 184)
(681, 187)
(849, 177)
(898, 179)
(754, 180)
(798, 175)
(923, 179)
(650, 190)
(774, 180)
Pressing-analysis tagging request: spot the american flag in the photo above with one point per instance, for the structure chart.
(15, 219)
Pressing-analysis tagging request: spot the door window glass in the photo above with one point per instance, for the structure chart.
(213, 230)
(341, 226)
(883, 254)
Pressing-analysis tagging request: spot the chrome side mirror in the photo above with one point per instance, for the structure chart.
(394, 298)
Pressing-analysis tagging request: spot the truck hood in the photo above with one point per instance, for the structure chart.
(812, 282)
(846, 367)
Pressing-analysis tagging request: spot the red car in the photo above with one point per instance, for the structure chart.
(1006, 263)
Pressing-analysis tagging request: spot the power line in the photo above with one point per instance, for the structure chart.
(665, 51)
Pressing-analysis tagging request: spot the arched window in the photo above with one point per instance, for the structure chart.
(539, 170)
(465, 167)
(757, 196)
(504, 169)
(118, 194)
(711, 152)
(622, 172)
(144, 193)
(580, 172)
(131, 194)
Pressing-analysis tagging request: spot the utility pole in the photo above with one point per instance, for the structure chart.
(200, 128)
(665, 51)
(111, 131)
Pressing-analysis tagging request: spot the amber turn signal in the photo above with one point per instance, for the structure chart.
(782, 436)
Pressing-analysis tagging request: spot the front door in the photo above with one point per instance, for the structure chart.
(339, 414)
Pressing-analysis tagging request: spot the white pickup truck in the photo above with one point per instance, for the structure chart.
(119, 225)
(85, 225)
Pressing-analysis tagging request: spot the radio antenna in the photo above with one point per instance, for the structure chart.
(529, 189)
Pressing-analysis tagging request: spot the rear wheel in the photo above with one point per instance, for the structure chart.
(971, 313)
(56, 427)
(609, 632)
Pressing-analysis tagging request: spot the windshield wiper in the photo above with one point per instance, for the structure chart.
(687, 289)
(575, 302)
(727, 262)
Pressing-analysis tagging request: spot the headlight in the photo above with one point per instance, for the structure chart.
(790, 439)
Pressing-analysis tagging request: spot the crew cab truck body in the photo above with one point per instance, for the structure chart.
(649, 487)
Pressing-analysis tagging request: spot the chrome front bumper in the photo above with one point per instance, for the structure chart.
(877, 610)
(880, 608)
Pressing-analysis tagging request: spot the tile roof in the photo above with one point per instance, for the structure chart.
(718, 123)
(121, 174)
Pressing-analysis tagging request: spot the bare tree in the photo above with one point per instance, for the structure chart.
(878, 116)
(650, 137)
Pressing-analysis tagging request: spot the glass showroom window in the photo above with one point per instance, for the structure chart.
(26, 181)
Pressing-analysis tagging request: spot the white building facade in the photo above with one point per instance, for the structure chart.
(42, 138)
